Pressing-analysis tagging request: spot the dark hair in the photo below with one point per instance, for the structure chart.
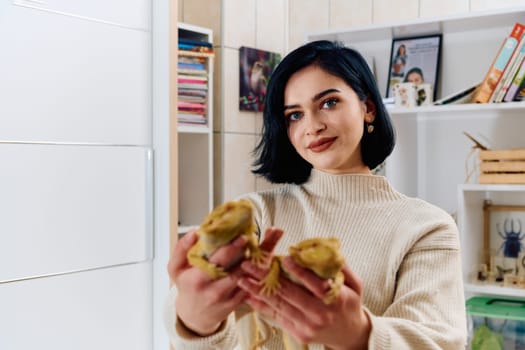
(414, 70)
(398, 52)
(276, 158)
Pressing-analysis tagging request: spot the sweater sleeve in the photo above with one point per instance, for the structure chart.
(181, 338)
(428, 310)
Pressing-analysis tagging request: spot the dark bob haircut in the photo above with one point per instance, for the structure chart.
(276, 158)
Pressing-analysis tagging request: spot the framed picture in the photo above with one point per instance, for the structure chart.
(504, 231)
(256, 66)
(416, 60)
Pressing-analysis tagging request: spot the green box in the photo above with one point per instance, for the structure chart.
(496, 323)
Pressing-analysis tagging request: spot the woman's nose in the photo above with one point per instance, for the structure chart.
(314, 124)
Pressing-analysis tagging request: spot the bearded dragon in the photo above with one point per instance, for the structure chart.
(320, 255)
(221, 226)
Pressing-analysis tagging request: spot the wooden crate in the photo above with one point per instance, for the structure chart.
(502, 167)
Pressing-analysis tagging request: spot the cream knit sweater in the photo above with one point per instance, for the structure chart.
(405, 250)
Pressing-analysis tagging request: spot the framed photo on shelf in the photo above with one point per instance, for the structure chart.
(256, 66)
(504, 232)
(416, 60)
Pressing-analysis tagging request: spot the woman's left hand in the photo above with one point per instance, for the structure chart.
(301, 312)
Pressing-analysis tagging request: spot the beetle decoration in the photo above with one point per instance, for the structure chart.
(511, 239)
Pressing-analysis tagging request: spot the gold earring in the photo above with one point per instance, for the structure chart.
(370, 128)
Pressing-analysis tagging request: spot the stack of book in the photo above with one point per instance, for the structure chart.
(505, 80)
(195, 45)
(192, 82)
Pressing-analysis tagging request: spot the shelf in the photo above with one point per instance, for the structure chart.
(469, 44)
(445, 25)
(193, 129)
(491, 188)
(186, 228)
(494, 290)
(467, 107)
(195, 140)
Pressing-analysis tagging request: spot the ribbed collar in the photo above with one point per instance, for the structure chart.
(350, 186)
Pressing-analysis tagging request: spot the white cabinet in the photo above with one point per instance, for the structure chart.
(431, 153)
(195, 138)
(73, 77)
(76, 185)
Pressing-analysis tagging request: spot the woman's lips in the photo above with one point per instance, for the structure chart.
(321, 144)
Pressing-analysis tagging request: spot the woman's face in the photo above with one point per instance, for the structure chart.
(325, 120)
(415, 78)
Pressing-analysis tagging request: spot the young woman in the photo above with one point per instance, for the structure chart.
(325, 130)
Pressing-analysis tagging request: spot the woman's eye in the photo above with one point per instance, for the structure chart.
(293, 116)
(330, 103)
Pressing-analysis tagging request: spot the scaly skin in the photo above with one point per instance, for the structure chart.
(225, 223)
(320, 255)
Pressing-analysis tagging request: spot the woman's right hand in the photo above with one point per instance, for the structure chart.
(204, 303)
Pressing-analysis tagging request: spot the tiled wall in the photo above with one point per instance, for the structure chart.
(279, 26)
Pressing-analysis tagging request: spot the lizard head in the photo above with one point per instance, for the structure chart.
(226, 222)
(321, 255)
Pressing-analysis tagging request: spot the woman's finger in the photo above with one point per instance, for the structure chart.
(352, 280)
(237, 297)
(272, 235)
(254, 269)
(294, 294)
(228, 255)
(178, 259)
(318, 286)
(274, 307)
(224, 287)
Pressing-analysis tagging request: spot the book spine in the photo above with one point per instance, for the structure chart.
(499, 64)
(509, 73)
(516, 83)
(194, 42)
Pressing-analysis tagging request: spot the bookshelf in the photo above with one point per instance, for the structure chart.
(195, 124)
(470, 221)
(432, 154)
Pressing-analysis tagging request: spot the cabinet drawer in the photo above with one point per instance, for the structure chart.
(73, 207)
(105, 310)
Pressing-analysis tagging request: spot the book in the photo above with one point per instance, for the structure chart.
(191, 81)
(195, 45)
(460, 97)
(498, 65)
(193, 42)
(510, 72)
(199, 77)
(517, 84)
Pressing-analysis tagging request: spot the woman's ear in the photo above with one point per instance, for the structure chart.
(370, 112)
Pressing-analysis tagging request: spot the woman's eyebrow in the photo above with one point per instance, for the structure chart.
(323, 93)
(315, 98)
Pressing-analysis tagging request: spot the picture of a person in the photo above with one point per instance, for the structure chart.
(398, 67)
(402, 52)
(414, 75)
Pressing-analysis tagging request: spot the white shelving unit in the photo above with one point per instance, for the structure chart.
(470, 220)
(431, 153)
(196, 145)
